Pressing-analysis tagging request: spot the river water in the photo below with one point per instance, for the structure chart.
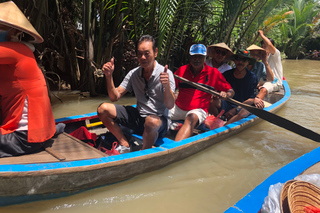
(212, 180)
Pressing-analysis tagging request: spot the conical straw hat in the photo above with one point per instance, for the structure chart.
(284, 205)
(220, 45)
(11, 16)
(255, 47)
(303, 194)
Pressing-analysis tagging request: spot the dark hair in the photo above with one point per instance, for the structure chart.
(270, 39)
(147, 38)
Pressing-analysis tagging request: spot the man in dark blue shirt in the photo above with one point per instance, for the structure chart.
(243, 82)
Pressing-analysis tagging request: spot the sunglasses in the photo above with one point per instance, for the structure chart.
(146, 91)
(237, 58)
(221, 52)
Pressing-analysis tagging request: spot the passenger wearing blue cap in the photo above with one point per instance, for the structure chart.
(191, 104)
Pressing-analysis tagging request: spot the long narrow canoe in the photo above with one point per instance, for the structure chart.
(71, 166)
(308, 163)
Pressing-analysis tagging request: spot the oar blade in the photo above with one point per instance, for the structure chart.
(284, 123)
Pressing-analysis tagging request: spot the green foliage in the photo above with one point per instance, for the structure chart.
(84, 34)
(171, 22)
(292, 34)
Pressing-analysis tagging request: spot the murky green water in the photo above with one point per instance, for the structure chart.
(211, 180)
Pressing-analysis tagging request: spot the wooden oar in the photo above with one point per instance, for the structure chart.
(268, 116)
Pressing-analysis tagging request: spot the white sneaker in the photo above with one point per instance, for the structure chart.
(175, 126)
(122, 149)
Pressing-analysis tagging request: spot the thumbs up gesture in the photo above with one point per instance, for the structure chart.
(164, 77)
(165, 68)
(108, 68)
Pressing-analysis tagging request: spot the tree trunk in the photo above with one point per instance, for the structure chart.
(87, 80)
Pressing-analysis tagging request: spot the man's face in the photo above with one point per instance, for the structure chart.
(219, 54)
(256, 54)
(197, 61)
(241, 62)
(146, 55)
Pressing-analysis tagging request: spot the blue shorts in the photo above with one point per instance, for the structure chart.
(129, 117)
(226, 106)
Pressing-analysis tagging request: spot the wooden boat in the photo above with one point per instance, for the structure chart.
(81, 167)
(306, 164)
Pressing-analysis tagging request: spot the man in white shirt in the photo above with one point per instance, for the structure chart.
(274, 61)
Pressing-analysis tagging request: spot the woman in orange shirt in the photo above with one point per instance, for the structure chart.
(27, 122)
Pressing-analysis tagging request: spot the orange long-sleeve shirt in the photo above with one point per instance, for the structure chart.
(20, 77)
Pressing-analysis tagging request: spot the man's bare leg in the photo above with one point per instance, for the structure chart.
(215, 104)
(242, 114)
(106, 113)
(188, 127)
(150, 134)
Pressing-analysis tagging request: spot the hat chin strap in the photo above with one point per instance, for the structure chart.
(17, 37)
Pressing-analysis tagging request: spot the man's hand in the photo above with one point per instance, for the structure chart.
(260, 32)
(223, 95)
(258, 103)
(108, 68)
(164, 77)
(169, 97)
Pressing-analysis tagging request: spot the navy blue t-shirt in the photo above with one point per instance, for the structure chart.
(244, 88)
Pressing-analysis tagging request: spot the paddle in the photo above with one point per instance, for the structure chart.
(268, 116)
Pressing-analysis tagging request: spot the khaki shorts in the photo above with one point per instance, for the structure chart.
(178, 114)
(271, 87)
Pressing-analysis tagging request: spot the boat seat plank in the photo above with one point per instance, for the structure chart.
(69, 147)
(315, 169)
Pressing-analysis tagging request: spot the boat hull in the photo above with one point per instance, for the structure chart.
(29, 182)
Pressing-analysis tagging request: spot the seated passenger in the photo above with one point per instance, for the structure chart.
(258, 68)
(27, 122)
(192, 104)
(263, 73)
(244, 84)
(218, 56)
(272, 59)
(153, 86)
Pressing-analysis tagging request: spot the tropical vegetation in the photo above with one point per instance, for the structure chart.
(81, 35)
(297, 29)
